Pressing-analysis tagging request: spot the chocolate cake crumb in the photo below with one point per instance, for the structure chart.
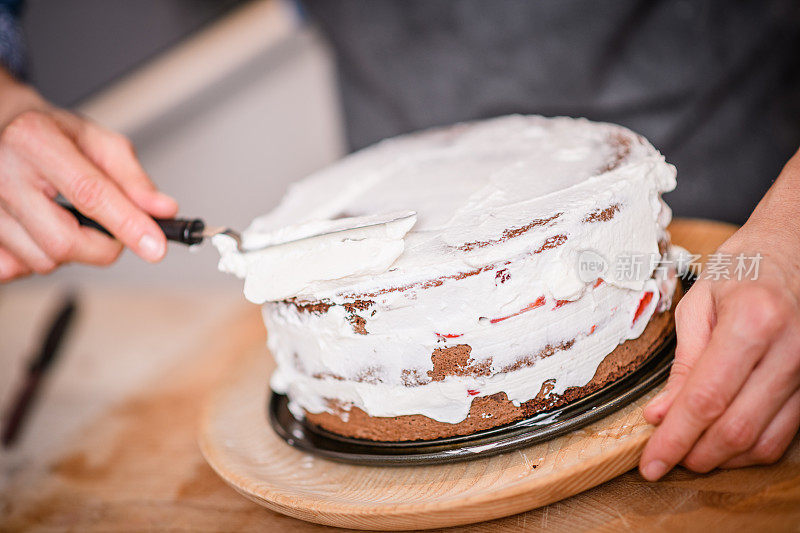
(547, 387)
(509, 233)
(369, 375)
(357, 305)
(551, 242)
(320, 307)
(413, 378)
(601, 215)
(455, 361)
(547, 351)
(502, 275)
(427, 284)
(314, 307)
(622, 146)
(359, 324)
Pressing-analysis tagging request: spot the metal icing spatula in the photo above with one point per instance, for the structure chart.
(194, 230)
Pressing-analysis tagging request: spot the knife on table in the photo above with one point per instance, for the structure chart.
(37, 370)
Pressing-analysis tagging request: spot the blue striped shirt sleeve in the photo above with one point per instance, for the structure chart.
(12, 52)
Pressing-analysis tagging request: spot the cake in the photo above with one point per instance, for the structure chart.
(497, 291)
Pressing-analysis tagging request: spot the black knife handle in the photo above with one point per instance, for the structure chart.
(184, 230)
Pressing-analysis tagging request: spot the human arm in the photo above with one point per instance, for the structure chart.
(733, 397)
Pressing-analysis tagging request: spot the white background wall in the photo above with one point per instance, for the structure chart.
(223, 122)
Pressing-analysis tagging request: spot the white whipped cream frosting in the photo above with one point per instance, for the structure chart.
(283, 263)
(505, 208)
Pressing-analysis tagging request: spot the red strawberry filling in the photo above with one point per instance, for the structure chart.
(538, 303)
(559, 303)
(643, 303)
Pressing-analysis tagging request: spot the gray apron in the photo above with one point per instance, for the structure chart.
(714, 85)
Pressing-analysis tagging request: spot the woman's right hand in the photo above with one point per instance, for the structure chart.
(45, 151)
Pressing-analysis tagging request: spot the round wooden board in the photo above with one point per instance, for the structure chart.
(240, 446)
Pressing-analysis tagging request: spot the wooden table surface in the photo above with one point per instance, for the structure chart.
(112, 445)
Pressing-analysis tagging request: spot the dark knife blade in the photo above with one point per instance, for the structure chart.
(37, 369)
